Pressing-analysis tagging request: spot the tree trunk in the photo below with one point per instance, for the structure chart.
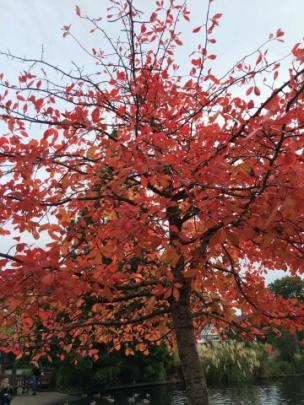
(195, 381)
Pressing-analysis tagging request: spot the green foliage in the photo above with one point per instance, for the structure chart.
(274, 366)
(287, 345)
(227, 362)
(74, 375)
(299, 363)
(289, 287)
(114, 368)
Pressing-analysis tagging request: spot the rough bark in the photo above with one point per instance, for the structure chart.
(195, 381)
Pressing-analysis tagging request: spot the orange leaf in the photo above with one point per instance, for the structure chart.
(91, 152)
(171, 256)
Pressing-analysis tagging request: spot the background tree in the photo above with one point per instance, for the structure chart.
(289, 287)
(165, 194)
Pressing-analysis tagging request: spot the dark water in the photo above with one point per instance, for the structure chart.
(289, 391)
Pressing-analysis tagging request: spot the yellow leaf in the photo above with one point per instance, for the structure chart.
(91, 152)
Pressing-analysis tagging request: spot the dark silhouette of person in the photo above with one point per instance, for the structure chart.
(36, 378)
(6, 392)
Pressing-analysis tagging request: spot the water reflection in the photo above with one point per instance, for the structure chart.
(288, 391)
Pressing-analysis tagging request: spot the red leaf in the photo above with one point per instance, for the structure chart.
(178, 41)
(249, 91)
(121, 75)
(298, 52)
(280, 33)
(38, 104)
(121, 110)
(259, 59)
(153, 17)
(197, 29)
(217, 16)
(4, 231)
(196, 62)
(95, 115)
(250, 104)
(257, 91)
(47, 279)
(20, 247)
(51, 132)
(77, 10)
(11, 124)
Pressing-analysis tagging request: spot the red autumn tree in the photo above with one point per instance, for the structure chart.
(164, 196)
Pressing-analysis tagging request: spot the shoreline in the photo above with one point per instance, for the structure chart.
(177, 382)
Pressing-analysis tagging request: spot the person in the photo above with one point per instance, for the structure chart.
(6, 392)
(36, 378)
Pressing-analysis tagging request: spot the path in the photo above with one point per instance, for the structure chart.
(42, 398)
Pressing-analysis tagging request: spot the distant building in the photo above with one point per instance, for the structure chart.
(209, 334)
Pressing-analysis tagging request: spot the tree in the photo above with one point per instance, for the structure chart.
(165, 195)
(289, 287)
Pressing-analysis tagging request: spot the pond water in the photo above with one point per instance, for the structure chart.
(287, 391)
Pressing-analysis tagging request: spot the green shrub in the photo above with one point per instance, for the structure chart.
(70, 375)
(114, 368)
(299, 363)
(287, 344)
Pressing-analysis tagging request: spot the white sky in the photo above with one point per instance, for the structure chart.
(26, 25)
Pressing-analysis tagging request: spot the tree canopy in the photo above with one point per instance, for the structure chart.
(165, 196)
(289, 287)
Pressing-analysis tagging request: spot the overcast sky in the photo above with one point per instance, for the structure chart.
(26, 25)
